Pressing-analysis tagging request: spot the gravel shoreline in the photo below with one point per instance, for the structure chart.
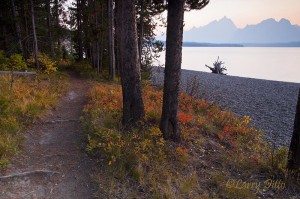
(270, 104)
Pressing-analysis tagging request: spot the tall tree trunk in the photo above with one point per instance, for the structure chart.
(294, 153)
(118, 67)
(6, 43)
(98, 57)
(101, 43)
(49, 27)
(93, 53)
(97, 47)
(3, 34)
(57, 23)
(79, 30)
(17, 26)
(169, 119)
(34, 36)
(117, 36)
(25, 22)
(133, 106)
(141, 32)
(111, 40)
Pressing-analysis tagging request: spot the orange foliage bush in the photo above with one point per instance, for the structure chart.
(181, 151)
(185, 118)
(142, 152)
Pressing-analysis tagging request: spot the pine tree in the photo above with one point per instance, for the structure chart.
(133, 106)
(169, 119)
(36, 49)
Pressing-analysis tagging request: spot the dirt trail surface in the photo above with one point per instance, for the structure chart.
(53, 163)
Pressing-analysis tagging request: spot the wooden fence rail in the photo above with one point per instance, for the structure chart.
(18, 73)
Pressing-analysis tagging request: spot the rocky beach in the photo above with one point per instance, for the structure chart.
(270, 104)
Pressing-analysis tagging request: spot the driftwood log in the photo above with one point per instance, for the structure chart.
(218, 68)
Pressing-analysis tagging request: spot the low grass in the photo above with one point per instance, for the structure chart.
(23, 100)
(218, 154)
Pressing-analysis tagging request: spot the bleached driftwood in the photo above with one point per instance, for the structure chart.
(218, 68)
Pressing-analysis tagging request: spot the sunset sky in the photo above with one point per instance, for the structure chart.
(243, 12)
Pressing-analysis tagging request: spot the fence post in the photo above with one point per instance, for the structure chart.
(12, 81)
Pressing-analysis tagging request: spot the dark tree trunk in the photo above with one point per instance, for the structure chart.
(5, 41)
(141, 31)
(85, 27)
(117, 36)
(98, 57)
(294, 153)
(36, 50)
(49, 28)
(111, 39)
(79, 30)
(3, 33)
(57, 23)
(101, 39)
(25, 22)
(17, 27)
(169, 119)
(133, 106)
(96, 43)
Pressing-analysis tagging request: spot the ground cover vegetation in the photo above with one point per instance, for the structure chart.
(23, 99)
(216, 146)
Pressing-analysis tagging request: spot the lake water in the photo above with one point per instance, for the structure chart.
(280, 64)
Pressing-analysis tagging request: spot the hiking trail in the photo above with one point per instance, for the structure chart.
(53, 162)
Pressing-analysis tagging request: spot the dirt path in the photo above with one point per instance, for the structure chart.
(53, 155)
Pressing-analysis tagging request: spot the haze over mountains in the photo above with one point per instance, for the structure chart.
(224, 31)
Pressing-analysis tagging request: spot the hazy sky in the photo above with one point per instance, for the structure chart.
(244, 12)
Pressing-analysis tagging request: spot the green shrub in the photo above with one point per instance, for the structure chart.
(64, 63)
(83, 66)
(17, 63)
(85, 69)
(280, 157)
(46, 63)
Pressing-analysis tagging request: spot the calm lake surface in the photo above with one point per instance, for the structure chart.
(280, 64)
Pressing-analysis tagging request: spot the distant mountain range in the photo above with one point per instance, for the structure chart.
(223, 32)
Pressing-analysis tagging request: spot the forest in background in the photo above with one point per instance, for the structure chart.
(82, 31)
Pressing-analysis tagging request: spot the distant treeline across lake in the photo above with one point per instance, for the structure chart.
(196, 44)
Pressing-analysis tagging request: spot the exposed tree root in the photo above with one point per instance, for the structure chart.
(61, 121)
(28, 173)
